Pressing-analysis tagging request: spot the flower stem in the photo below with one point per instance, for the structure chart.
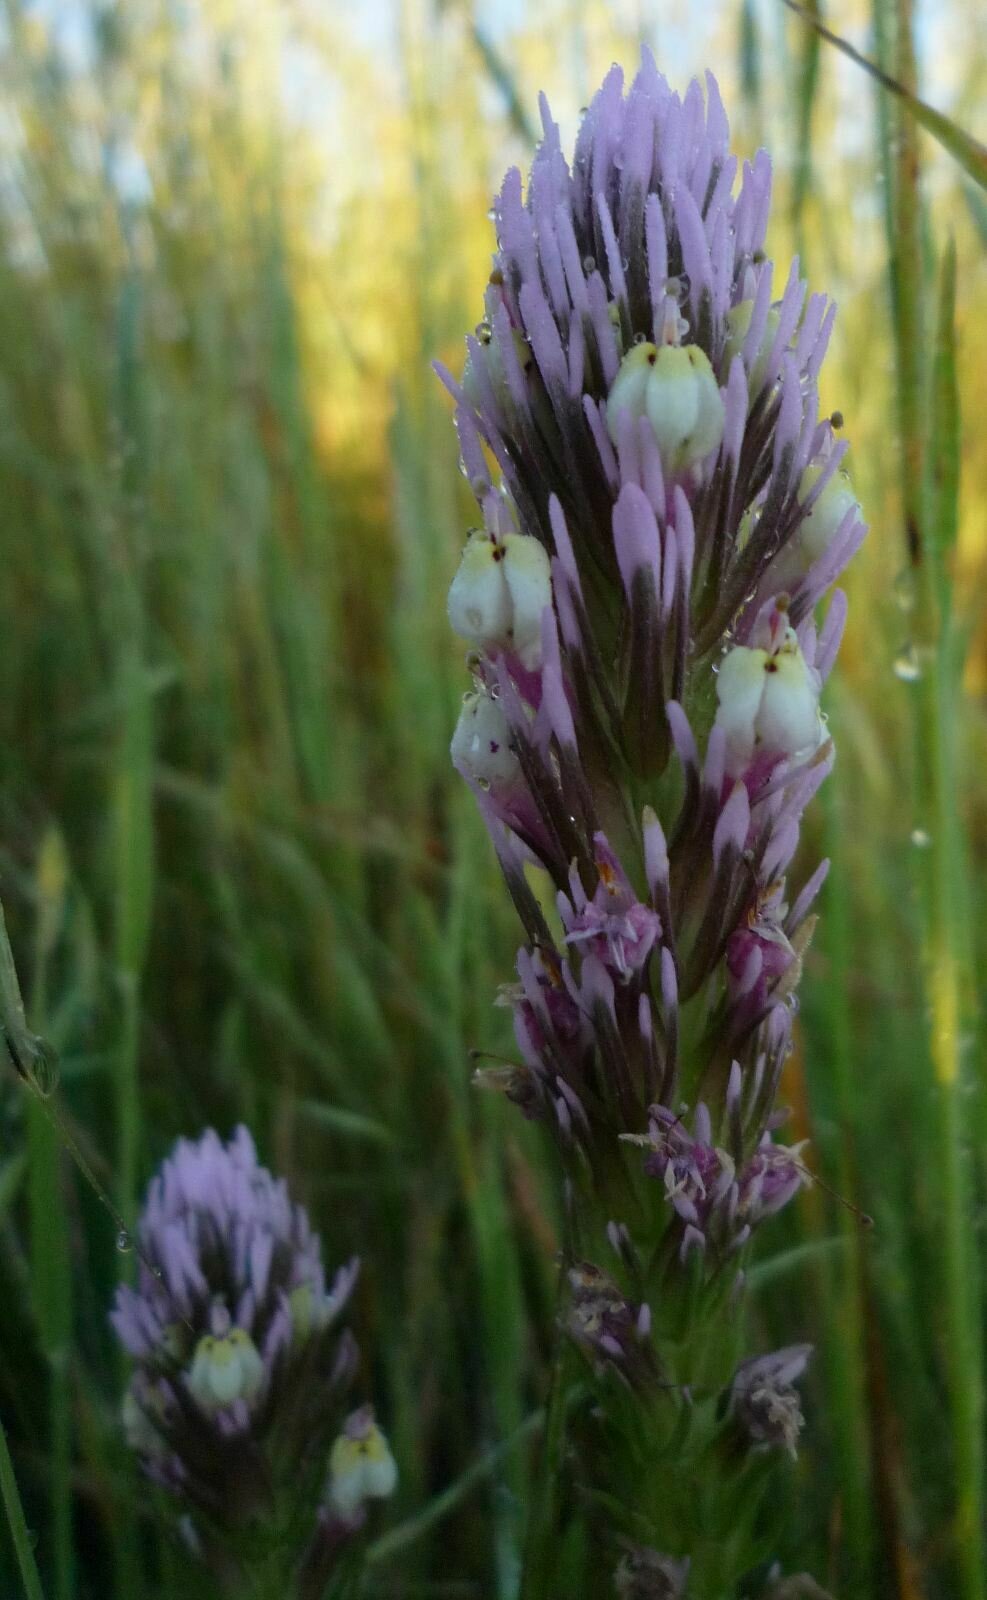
(541, 1544)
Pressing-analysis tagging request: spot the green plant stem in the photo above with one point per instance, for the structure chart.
(51, 1272)
(19, 1534)
(929, 505)
(841, 1278)
(542, 1537)
(52, 1298)
(945, 957)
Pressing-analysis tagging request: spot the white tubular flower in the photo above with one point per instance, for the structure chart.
(499, 593)
(819, 528)
(481, 744)
(225, 1369)
(768, 702)
(674, 387)
(738, 321)
(361, 1466)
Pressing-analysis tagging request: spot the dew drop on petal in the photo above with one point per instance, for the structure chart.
(903, 590)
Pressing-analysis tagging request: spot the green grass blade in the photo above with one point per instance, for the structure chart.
(967, 151)
(407, 1533)
(18, 1527)
(51, 1266)
(950, 980)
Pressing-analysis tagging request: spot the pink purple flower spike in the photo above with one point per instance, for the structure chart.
(649, 392)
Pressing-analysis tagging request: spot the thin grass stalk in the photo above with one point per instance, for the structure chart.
(948, 953)
(20, 1536)
(807, 85)
(841, 1274)
(133, 834)
(933, 711)
(407, 1533)
(430, 513)
(481, 1181)
(51, 1281)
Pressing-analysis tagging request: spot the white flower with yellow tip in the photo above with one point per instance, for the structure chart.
(481, 745)
(768, 702)
(225, 1369)
(822, 522)
(818, 528)
(497, 597)
(738, 321)
(674, 387)
(301, 1304)
(361, 1466)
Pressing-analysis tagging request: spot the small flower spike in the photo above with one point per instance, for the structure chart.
(240, 1368)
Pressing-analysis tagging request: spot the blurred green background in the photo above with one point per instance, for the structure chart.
(240, 878)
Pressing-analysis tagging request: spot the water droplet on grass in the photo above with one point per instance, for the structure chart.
(906, 666)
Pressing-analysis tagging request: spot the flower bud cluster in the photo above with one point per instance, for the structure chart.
(765, 1402)
(717, 1202)
(612, 1333)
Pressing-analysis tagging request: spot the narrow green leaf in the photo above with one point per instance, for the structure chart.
(944, 452)
(351, 1124)
(406, 1533)
(788, 1261)
(18, 1526)
(969, 152)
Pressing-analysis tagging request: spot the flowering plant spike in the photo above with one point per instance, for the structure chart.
(664, 513)
(241, 1374)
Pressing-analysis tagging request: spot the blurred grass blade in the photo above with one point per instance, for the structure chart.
(969, 152)
(944, 444)
(750, 57)
(951, 983)
(977, 206)
(351, 1124)
(18, 1527)
(397, 1539)
(766, 1272)
(51, 1261)
(930, 487)
(841, 1276)
(805, 99)
(500, 75)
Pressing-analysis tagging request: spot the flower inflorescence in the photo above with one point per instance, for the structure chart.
(241, 1369)
(663, 510)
